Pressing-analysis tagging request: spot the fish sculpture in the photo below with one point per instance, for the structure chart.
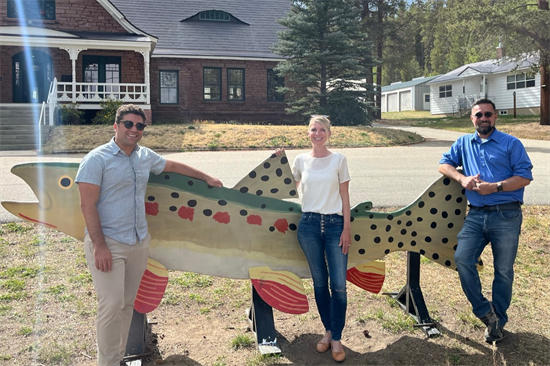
(249, 231)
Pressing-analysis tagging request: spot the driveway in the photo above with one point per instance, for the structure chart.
(386, 176)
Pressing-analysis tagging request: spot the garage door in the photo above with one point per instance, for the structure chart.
(392, 103)
(405, 101)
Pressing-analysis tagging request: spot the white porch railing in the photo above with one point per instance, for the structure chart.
(51, 103)
(98, 92)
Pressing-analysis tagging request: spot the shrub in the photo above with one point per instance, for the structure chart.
(106, 115)
(71, 115)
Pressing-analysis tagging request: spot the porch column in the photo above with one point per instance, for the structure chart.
(73, 54)
(484, 91)
(145, 55)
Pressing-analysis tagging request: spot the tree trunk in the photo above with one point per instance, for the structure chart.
(379, 48)
(544, 77)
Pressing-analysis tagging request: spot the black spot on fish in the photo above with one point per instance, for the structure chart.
(403, 231)
(390, 217)
(421, 204)
(398, 222)
(400, 244)
(431, 194)
(459, 200)
(446, 181)
(454, 248)
(444, 240)
(433, 211)
(207, 212)
(243, 212)
(222, 202)
(433, 225)
(263, 205)
(279, 172)
(267, 165)
(291, 209)
(190, 183)
(373, 227)
(448, 197)
(377, 240)
(422, 251)
(191, 203)
(284, 160)
(390, 239)
(414, 233)
(65, 182)
(175, 195)
(288, 180)
(259, 192)
(458, 212)
(450, 225)
(409, 223)
(435, 256)
(264, 178)
(408, 213)
(173, 208)
(292, 227)
(371, 216)
(387, 251)
(274, 190)
(351, 219)
(388, 228)
(252, 174)
(292, 193)
(166, 177)
(361, 251)
(151, 198)
(448, 263)
(419, 219)
(357, 237)
(271, 228)
(413, 243)
(244, 190)
(428, 239)
(444, 214)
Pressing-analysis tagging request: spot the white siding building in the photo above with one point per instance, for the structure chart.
(453, 93)
(413, 95)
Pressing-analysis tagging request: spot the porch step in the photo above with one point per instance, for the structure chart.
(19, 128)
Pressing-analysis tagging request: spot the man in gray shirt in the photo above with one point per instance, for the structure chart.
(112, 180)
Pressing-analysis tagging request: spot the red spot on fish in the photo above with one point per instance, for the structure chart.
(222, 217)
(281, 225)
(38, 222)
(151, 208)
(186, 213)
(254, 220)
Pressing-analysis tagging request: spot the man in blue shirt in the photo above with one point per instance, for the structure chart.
(496, 168)
(112, 180)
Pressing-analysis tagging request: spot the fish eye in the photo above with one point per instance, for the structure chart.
(65, 182)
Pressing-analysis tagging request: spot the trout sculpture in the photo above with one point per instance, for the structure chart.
(249, 231)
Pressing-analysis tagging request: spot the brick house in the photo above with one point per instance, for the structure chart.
(179, 60)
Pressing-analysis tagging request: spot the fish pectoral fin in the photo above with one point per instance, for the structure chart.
(271, 178)
(368, 276)
(479, 264)
(152, 287)
(282, 290)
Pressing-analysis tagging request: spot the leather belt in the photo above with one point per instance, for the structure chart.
(502, 207)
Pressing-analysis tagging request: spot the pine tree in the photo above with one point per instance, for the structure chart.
(325, 50)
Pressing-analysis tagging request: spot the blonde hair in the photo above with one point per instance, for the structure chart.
(323, 120)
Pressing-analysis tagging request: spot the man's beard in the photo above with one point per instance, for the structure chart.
(485, 129)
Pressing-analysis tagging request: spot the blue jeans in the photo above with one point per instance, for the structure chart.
(501, 228)
(319, 237)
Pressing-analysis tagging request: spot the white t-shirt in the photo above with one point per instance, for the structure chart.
(320, 180)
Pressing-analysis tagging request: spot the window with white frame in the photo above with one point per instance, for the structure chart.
(445, 91)
(212, 83)
(168, 86)
(520, 81)
(235, 84)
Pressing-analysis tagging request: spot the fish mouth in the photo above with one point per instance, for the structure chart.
(37, 221)
(25, 210)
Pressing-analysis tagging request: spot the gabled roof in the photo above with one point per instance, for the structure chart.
(180, 35)
(407, 84)
(485, 68)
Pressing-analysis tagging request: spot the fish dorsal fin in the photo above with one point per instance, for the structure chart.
(271, 178)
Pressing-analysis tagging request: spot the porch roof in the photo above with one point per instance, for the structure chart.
(252, 36)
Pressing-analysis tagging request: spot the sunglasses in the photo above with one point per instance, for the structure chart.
(129, 124)
(320, 115)
(486, 114)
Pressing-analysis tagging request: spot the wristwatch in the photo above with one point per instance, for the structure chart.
(499, 187)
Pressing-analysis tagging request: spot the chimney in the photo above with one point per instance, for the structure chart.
(501, 52)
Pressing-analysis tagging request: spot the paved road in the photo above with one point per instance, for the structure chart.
(387, 176)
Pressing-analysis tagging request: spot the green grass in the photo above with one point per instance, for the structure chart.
(242, 341)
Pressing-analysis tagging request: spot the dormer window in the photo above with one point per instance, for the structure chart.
(31, 9)
(214, 16)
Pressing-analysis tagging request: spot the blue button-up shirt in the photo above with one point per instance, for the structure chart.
(123, 181)
(497, 158)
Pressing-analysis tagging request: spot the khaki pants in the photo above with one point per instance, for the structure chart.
(116, 293)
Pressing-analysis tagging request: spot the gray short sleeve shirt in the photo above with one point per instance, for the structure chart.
(123, 181)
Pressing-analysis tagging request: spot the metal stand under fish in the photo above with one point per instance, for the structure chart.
(249, 231)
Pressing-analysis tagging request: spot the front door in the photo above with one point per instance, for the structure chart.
(32, 76)
(101, 69)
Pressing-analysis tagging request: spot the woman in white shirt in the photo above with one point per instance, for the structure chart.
(324, 230)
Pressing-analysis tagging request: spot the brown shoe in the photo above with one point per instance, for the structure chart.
(339, 356)
(322, 347)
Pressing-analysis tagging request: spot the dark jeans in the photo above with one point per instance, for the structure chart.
(319, 237)
(501, 228)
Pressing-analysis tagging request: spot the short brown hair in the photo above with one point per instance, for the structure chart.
(129, 109)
